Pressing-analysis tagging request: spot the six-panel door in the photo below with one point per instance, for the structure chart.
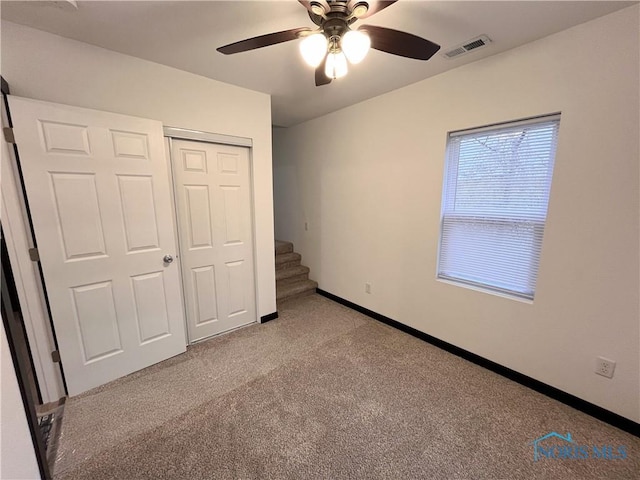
(213, 196)
(99, 194)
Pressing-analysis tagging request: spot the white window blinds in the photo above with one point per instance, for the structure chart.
(494, 205)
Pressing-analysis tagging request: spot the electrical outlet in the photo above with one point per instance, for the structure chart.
(367, 288)
(605, 367)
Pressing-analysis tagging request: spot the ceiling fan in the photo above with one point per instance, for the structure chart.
(334, 42)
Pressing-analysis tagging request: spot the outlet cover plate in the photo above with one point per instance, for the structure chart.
(605, 367)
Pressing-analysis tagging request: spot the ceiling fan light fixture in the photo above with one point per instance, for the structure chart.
(317, 9)
(313, 49)
(360, 9)
(336, 65)
(333, 45)
(355, 45)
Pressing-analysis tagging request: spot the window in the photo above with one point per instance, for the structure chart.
(494, 204)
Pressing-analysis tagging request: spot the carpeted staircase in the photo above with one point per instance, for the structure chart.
(292, 278)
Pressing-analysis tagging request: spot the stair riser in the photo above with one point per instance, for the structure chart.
(283, 266)
(284, 249)
(291, 272)
(287, 257)
(295, 289)
(288, 281)
(297, 295)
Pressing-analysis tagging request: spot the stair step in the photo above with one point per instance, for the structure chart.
(283, 247)
(287, 273)
(292, 278)
(296, 290)
(286, 260)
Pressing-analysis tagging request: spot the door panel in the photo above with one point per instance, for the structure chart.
(80, 223)
(205, 295)
(236, 272)
(151, 308)
(198, 221)
(139, 212)
(213, 195)
(99, 196)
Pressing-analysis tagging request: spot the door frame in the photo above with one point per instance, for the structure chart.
(22, 369)
(175, 133)
(26, 273)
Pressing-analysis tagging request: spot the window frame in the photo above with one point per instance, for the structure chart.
(536, 222)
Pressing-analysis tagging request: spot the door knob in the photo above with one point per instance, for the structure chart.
(167, 259)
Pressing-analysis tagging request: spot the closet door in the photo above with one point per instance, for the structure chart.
(213, 196)
(98, 190)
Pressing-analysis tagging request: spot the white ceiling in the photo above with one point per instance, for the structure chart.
(185, 35)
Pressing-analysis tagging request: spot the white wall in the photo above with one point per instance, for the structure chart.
(368, 180)
(48, 67)
(17, 455)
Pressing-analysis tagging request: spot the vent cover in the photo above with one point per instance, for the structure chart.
(466, 47)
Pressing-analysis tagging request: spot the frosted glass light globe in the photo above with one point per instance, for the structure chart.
(336, 65)
(313, 49)
(355, 45)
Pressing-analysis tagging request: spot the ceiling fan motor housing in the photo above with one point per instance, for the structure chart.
(335, 27)
(350, 11)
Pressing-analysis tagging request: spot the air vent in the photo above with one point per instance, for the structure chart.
(466, 47)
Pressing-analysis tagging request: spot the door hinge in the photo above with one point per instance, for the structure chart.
(8, 135)
(34, 255)
(55, 356)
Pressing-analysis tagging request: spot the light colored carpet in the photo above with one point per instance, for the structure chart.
(324, 392)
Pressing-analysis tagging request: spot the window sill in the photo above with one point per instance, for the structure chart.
(485, 290)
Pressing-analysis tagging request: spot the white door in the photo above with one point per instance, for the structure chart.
(213, 196)
(98, 190)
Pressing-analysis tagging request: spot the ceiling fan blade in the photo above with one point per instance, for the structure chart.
(262, 41)
(400, 43)
(374, 6)
(321, 77)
